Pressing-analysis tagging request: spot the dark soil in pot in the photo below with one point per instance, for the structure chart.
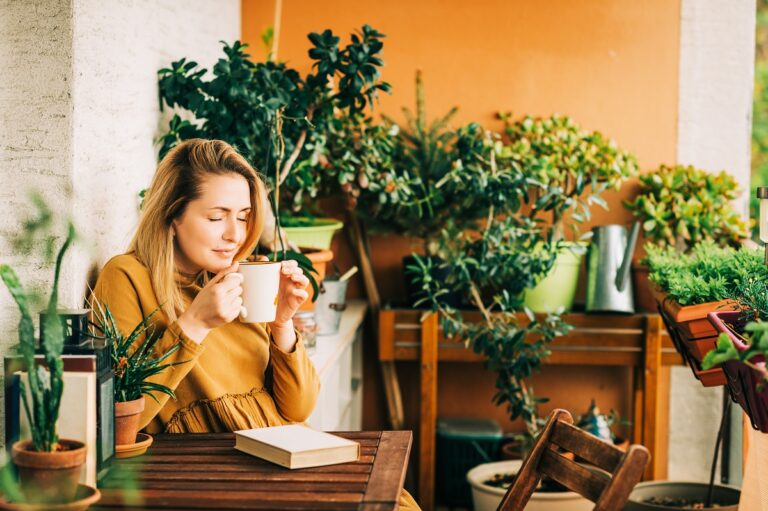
(666, 495)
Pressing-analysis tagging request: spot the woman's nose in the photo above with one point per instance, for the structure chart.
(232, 232)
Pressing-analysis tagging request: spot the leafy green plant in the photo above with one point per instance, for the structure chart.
(245, 103)
(547, 170)
(424, 153)
(708, 273)
(45, 381)
(568, 168)
(683, 204)
(756, 337)
(134, 360)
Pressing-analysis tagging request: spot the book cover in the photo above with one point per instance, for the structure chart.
(296, 446)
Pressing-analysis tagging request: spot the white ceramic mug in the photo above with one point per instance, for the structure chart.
(261, 284)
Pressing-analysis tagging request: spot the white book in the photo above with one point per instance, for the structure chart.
(296, 446)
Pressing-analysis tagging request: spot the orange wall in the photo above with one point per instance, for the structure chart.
(611, 65)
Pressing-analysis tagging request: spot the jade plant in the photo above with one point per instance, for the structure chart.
(569, 168)
(756, 336)
(682, 206)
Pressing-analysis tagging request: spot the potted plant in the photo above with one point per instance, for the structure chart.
(690, 286)
(49, 467)
(134, 362)
(571, 169)
(276, 117)
(681, 206)
(490, 481)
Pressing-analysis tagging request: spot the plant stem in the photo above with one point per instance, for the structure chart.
(711, 490)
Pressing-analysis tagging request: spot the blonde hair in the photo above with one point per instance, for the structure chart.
(178, 181)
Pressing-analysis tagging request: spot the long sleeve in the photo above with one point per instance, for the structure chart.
(295, 385)
(130, 298)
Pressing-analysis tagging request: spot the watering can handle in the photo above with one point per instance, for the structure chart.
(622, 276)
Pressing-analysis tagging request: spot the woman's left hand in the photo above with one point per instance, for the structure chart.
(292, 293)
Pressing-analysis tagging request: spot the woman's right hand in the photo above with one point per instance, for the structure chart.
(218, 303)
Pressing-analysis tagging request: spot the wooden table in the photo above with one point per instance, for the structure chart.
(204, 471)
(638, 341)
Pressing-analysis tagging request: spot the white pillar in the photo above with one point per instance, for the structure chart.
(717, 51)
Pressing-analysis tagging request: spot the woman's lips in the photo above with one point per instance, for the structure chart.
(225, 253)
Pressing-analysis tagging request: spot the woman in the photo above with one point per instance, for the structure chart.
(203, 213)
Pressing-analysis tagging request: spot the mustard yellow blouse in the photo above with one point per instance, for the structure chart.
(221, 386)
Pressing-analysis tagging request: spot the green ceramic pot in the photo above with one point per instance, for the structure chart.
(318, 235)
(558, 288)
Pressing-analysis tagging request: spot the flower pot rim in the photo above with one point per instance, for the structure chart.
(54, 460)
(646, 484)
(683, 313)
(320, 224)
(474, 479)
(132, 407)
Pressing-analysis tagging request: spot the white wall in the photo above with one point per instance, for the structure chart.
(717, 52)
(79, 112)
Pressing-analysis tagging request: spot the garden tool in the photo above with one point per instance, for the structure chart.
(608, 265)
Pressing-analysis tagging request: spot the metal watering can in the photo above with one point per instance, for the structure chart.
(609, 261)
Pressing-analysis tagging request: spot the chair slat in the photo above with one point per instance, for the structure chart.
(584, 445)
(573, 476)
(609, 488)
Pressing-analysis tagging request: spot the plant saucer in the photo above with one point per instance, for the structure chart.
(143, 441)
(85, 497)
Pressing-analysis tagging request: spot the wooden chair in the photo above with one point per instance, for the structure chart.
(608, 491)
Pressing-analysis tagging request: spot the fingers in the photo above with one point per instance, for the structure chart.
(223, 273)
(232, 282)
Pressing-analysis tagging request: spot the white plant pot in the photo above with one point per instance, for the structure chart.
(488, 498)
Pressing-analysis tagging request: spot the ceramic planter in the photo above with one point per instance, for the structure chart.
(319, 235)
(127, 415)
(558, 288)
(727, 496)
(49, 477)
(488, 498)
(319, 258)
(740, 378)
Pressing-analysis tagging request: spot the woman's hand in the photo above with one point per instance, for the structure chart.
(292, 292)
(290, 297)
(218, 303)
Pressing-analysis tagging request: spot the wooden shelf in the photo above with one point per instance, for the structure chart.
(638, 341)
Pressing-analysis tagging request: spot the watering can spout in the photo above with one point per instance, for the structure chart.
(622, 275)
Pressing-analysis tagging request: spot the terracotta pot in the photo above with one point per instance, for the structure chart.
(691, 320)
(127, 415)
(319, 258)
(49, 477)
(644, 299)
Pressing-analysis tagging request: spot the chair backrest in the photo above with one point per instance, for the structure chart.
(609, 490)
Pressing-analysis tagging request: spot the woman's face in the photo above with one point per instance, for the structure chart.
(213, 227)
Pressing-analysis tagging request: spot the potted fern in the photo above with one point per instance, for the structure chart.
(134, 362)
(49, 467)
